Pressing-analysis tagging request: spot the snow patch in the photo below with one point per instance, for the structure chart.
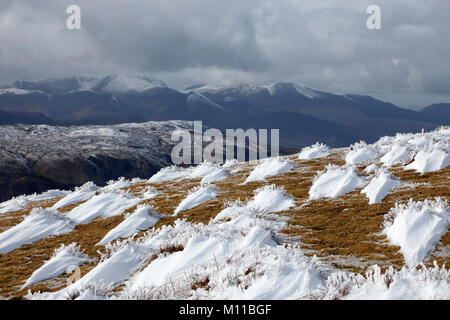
(432, 160)
(141, 219)
(380, 186)
(64, 259)
(318, 150)
(335, 181)
(416, 227)
(269, 167)
(271, 199)
(39, 224)
(360, 152)
(197, 196)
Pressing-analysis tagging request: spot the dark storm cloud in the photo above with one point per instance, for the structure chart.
(322, 43)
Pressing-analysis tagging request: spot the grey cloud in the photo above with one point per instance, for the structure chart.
(321, 43)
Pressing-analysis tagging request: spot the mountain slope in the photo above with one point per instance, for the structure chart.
(438, 110)
(303, 114)
(38, 158)
(278, 228)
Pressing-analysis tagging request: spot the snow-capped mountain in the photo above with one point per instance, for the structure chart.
(303, 114)
(121, 84)
(109, 84)
(369, 221)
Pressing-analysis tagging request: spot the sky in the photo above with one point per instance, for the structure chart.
(324, 44)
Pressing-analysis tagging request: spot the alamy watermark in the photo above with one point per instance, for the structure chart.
(373, 22)
(73, 22)
(212, 146)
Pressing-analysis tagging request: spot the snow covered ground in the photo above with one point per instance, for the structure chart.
(240, 252)
(269, 167)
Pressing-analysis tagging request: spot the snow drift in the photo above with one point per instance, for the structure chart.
(335, 181)
(416, 227)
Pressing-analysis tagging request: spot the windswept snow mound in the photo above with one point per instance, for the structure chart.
(396, 154)
(105, 204)
(215, 176)
(64, 259)
(416, 227)
(360, 152)
(197, 196)
(335, 181)
(430, 160)
(21, 202)
(80, 194)
(269, 167)
(201, 171)
(141, 219)
(406, 284)
(271, 199)
(39, 224)
(380, 186)
(318, 150)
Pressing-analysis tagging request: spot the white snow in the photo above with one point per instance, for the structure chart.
(318, 150)
(269, 167)
(22, 202)
(335, 181)
(433, 160)
(215, 176)
(406, 284)
(17, 91)
(271, 199)
(64, 259)
(80, 194)
(106, 204)
(120, 83)
(197, 196)
(39, 224)
(416, 227)
(380, 186)
(396, 154)
(120, 184)
(371, 168)
(174, 173)
(141, 219)
(167, 174)
(360, 152)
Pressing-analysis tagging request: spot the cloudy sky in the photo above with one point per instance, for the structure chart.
(324, 44)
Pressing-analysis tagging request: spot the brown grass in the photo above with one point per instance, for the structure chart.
(10, 219)
(344, 230)
(18, 265)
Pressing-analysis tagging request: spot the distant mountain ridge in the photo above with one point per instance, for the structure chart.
(303, 114)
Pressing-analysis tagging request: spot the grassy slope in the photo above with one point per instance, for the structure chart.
(343, 230)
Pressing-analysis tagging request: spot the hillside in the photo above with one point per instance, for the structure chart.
(369, 221)
(35, 158)
(441, 110)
